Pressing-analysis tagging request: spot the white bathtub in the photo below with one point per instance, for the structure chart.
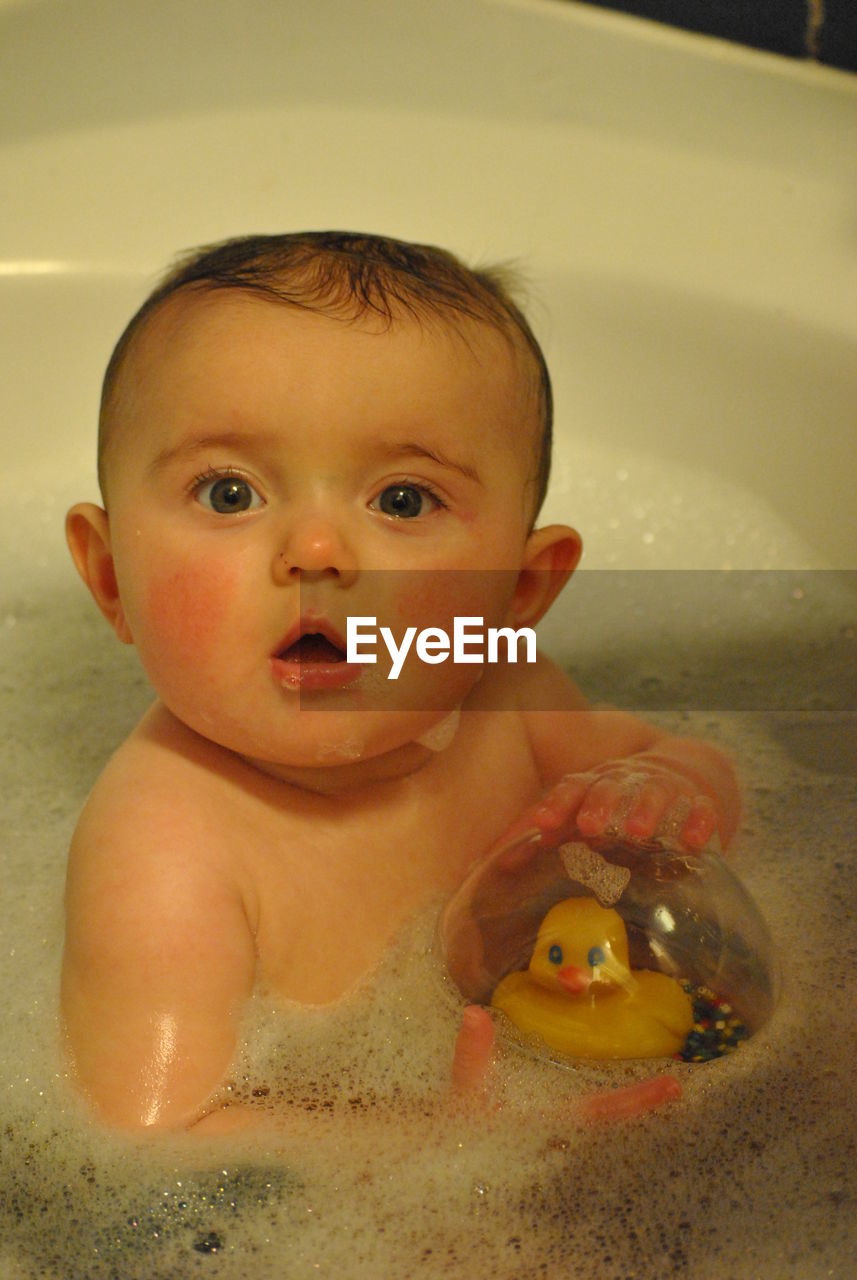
(684, 208)
(685, 212)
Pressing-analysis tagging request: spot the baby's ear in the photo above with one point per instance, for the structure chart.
(550, 558)
(87, 532)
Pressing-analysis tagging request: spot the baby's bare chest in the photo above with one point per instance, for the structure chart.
(333, 886)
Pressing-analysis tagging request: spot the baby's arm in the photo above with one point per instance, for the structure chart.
(605, 767)
(158, 958)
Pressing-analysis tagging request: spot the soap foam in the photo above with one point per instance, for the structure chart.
(751, 1173)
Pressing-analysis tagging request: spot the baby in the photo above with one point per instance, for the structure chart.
(296, 431)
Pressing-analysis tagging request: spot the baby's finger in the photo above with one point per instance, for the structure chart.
(518, 846)
(633, 1100)
(557, 807)
(562, 801)
(471, 1062)
(700, 824)
(605, 802)
(648, 809)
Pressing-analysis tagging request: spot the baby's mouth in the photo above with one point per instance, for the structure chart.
(312, 648)
(314, 661)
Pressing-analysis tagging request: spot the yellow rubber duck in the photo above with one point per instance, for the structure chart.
(581, 997)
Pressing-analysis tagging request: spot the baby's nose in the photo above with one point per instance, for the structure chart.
(312, 549)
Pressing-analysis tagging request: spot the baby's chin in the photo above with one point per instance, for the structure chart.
(337, 768)
(432, 731)
(318, 739)
(374, 734)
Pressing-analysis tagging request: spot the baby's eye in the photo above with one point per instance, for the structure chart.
(405, 501)
(227, 495)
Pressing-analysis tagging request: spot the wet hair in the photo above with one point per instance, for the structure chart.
(350, 275)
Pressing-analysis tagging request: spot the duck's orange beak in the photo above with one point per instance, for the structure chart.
(575, 979)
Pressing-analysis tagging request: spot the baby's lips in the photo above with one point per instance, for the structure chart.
(312, 658)
(312, 647)
(315, 625)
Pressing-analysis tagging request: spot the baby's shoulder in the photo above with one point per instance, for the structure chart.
(159, 798)
(149, 844)
(526, 687)
(160, 765)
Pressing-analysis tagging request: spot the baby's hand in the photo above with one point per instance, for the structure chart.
(637, 798)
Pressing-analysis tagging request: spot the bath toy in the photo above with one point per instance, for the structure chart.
(717, 1028)
(581, 996)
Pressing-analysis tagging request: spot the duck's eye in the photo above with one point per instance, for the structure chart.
(595, 957)
(555, 954)
(405, 501)
(228, 495)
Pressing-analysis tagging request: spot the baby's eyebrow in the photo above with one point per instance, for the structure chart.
(412, 449)
(247, 442)
(261, 442)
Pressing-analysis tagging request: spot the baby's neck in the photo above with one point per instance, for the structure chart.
(356, 775)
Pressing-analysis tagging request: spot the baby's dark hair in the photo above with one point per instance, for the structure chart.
(349, 274)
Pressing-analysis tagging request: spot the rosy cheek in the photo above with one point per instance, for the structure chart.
(185, 610)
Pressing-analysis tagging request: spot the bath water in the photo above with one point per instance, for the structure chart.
(750, 1174)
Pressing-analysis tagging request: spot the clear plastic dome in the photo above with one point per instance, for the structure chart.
(685, 915)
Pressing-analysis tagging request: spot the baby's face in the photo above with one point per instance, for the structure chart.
(273, 471)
